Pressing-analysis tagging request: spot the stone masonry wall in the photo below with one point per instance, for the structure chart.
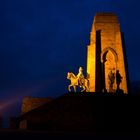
(30, 103)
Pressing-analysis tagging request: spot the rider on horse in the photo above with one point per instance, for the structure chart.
(80, 77)
(78, 80)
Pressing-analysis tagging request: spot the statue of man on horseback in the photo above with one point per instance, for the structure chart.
(80, 77)
(78, 80)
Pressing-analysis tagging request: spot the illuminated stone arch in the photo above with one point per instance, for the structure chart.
(105, 51)
(109, 59)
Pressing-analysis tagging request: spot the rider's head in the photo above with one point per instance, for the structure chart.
(80, 69)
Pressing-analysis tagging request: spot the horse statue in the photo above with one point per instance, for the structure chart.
(75, 83)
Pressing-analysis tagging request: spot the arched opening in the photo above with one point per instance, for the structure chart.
(109, 60)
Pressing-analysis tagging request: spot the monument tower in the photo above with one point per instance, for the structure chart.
(106, 62)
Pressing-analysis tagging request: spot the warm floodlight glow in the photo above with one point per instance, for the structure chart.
(105, 54)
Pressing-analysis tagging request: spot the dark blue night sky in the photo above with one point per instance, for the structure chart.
(41, 40)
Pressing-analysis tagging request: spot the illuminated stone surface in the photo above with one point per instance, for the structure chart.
(30, 103)
(106, 53)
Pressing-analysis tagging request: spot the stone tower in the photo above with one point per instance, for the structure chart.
(106, 55)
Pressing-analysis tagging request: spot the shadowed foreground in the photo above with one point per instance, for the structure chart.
(81, 116)
(28, 135)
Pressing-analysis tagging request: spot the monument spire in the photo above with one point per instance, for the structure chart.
(105, 55)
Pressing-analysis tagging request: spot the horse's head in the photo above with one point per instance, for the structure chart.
(68, 75)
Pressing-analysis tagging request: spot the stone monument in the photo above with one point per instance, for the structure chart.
(106, 55)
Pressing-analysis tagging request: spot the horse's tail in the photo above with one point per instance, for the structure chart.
(87, 84)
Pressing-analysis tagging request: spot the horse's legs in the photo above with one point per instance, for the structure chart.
(87, 88)
(74, 88)
(69, 87)
(87, 85)
(83, 88)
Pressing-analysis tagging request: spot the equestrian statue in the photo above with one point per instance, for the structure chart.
(78, 80)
